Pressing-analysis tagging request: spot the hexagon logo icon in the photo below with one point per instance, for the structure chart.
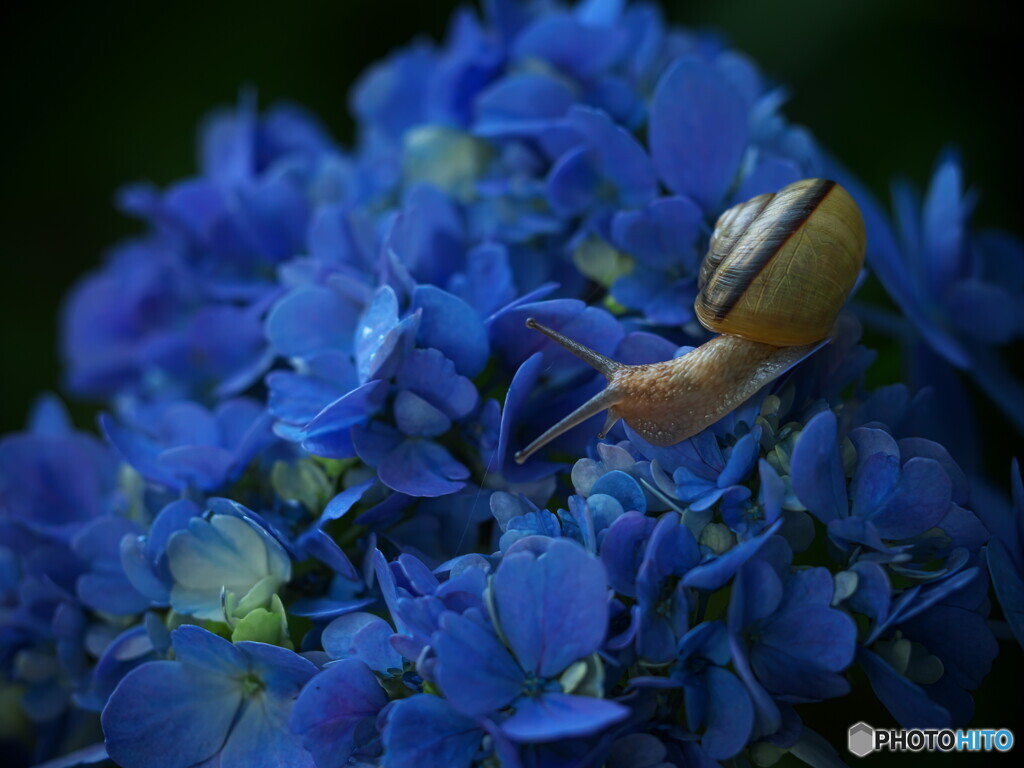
(860, 739)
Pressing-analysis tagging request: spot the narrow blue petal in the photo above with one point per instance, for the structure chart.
(1009, 587)
(573, 183)
(717, 572)
(741, 459)
(729, 716)
(907, 701)
(817, 470)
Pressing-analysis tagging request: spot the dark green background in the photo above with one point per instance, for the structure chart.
(101, 94)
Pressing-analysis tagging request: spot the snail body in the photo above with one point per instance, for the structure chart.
(778, 270)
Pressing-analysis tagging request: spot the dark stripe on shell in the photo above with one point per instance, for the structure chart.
(743, 272)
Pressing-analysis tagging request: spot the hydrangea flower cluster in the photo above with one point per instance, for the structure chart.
(301, 539)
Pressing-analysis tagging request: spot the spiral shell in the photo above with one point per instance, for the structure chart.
(779, 267)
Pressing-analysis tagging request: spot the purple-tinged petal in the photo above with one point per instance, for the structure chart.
(662, 235)
(361, 636)
(331, 708)
(420, 467)
(426, 731)
(553, 716)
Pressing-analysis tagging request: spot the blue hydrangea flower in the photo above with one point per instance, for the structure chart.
(551, 612)
(182, 444)
(224, 553)
(231, 704)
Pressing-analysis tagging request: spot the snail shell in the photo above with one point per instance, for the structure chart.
(778, 271)
(779, 267)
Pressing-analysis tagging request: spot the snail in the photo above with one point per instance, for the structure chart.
(778, 270)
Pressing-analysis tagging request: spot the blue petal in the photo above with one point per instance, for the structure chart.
(474, 669)
(875, 479)
(573, 183)
(553, 609)
(873, 592)
(662, 235)
(521, 103)
(432, 376)
(822, 636)
(487, 283)
(452, 326)
(623, 488)
(361, 636)
(907, 701)
(427, 732)
(920, 501)
(715, 573)
(567, 44)
(622, 551)
(698, 131)
(421, 467)
(729, 717)
(741, 459)
(328, 433)
(310, 319)
(817, 470)
(331, 708)
(415, 417)
(164, 715)
(553, 716)
(1009, 587)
